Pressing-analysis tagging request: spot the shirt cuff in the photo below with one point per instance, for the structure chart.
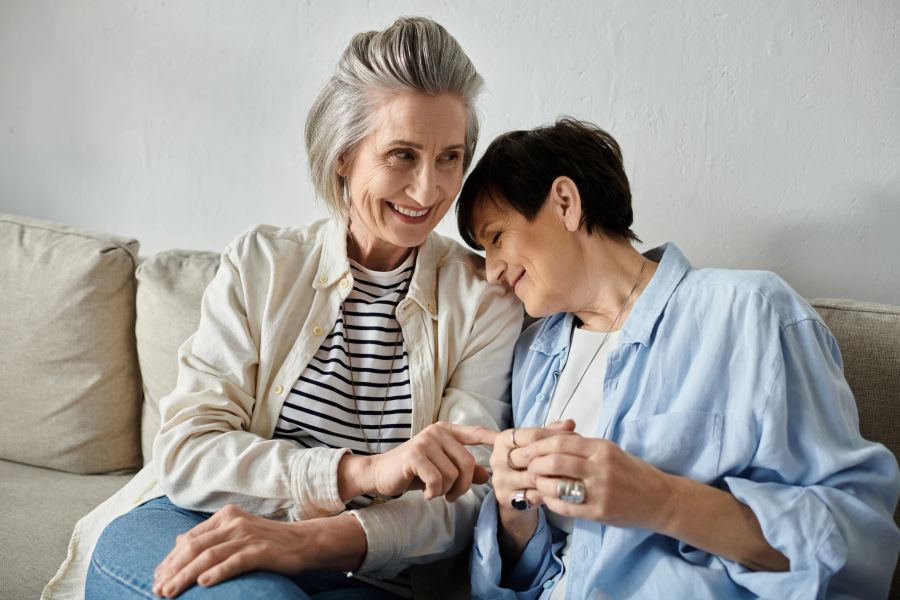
(382, 537)
(314, 482)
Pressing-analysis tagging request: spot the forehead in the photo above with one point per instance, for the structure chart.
(490, 211)
(418, 117)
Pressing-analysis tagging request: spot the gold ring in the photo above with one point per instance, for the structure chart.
(509, 460)
(513, 436)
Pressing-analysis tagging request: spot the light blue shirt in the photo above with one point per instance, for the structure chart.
(731, 379)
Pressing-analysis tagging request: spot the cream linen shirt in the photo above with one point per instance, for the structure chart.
(274, 298)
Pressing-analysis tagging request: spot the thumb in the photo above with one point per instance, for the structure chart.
(567, 425)
(480, 475)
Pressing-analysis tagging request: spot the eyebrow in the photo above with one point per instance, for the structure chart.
(482, 233)
(420, 146)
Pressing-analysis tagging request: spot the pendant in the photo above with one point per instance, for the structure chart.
(377, 500)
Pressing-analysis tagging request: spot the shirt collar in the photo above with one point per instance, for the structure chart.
(648, 309)
(555, 332)
(334, 265)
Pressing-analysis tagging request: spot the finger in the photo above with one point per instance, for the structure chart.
(445, 464)
(204, 561)
(465, 467)
(472, 435)
(564, 443)
(431, 478)
(223, 514)
(526, 436)
(480, 475)
(241, 560)
(559, 465)
(186, 550)
(565, 425)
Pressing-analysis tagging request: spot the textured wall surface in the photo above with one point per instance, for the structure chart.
(759, 134)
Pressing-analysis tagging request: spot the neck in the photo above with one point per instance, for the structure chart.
(615, 276)
(372, 252)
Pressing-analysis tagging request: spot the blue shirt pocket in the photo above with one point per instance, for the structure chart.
(686, 443)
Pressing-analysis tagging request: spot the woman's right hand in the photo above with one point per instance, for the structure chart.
(517, 525)
(435, 460)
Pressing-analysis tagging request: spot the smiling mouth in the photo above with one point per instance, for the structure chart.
(414, 214)
(515, 283)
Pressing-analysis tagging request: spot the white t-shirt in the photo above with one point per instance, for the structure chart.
(584, 408)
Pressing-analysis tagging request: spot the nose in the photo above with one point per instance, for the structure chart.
(494, 267)
(424, 188)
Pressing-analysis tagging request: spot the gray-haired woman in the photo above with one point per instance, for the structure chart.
(300, 441)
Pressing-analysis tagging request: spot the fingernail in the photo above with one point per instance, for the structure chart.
(169, 589)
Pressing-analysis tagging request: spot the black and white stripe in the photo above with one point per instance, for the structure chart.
(321, 411)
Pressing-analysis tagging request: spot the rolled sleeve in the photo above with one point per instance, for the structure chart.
(314, 482)
(535, 565)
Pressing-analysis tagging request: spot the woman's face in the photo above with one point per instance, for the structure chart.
(538, 260)
(406, 172)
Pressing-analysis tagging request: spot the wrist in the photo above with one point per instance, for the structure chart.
(354, 476)
(668, 519)
(340, 542)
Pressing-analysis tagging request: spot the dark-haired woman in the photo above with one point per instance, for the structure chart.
(716, 450)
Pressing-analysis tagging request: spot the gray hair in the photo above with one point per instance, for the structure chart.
(413, 54)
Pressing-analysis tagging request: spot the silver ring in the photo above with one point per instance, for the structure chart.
(571, 491)
(519, 501)
(513, 435)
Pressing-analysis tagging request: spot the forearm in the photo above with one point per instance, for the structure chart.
(715, 521)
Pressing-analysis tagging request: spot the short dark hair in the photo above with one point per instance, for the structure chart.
(519, 167)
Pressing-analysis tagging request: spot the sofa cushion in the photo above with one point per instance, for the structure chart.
(170, 287)
(868, 335)
(69, 380)
(40, 508)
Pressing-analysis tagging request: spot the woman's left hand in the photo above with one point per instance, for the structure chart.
(233, 541)
(620, 489)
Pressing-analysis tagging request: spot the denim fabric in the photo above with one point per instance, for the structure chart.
(132, 545)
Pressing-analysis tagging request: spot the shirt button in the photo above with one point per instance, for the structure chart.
(549, 584)
(344, 282)
(323, 279)
(431, 308)
(585, 553)
(317, 331)
(539, 397)
(278, 389)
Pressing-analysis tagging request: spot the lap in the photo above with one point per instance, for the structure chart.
(131, 547)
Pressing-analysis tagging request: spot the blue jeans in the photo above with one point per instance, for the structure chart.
(131, 546)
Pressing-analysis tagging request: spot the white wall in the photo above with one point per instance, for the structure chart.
(758, 134)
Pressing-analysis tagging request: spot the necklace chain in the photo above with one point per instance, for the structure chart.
(387, 385)
(602, 343)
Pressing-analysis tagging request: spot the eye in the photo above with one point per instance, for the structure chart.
(451, 157)
(403, 154)
(495, 241)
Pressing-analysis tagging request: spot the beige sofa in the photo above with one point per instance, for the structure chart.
(89, 334)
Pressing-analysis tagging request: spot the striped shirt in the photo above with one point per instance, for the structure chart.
(355, 391)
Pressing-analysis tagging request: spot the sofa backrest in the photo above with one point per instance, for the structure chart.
(70, 391)
(170, 286)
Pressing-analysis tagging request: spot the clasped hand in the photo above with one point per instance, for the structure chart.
(621, 489)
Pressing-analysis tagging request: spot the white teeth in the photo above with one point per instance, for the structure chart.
(408, 212)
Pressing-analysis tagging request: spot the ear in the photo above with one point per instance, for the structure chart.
(566, 202)
(343, 165)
